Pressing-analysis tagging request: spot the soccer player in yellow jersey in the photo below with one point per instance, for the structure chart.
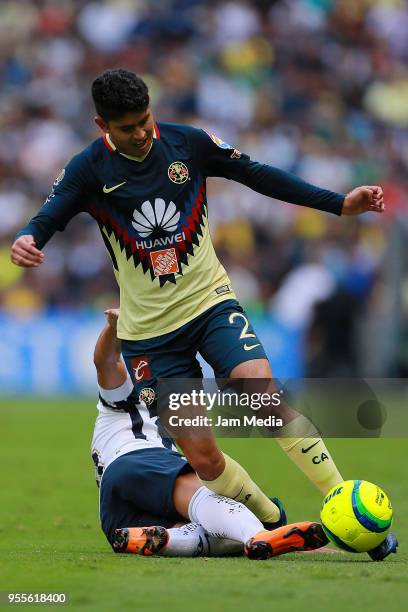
(144, 183)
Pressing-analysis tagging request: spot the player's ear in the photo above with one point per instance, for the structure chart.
(101, 123)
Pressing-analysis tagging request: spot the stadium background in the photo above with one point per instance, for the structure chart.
(317, 87)
(328, 295)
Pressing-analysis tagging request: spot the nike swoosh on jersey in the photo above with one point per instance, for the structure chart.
(109, 189)
(249, 348)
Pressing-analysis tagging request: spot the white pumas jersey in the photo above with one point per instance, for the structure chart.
(123, 425)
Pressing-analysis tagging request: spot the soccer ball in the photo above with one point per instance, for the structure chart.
(356, 515)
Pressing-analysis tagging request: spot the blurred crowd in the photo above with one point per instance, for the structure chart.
(316, 87)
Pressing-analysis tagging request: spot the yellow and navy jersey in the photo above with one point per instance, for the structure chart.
(152, 214)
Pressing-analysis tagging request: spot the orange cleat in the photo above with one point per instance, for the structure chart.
(140, 540)
(290, 538)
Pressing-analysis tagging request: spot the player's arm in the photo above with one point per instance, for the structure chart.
(64, 202)
(219, 159)
(276, 183)
(110, 369)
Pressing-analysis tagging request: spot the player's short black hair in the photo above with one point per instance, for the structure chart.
(117, 92)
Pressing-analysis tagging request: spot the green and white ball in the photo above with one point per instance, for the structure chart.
(356, 515)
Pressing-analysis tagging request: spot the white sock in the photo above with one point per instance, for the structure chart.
(191, 540)
(223, 517)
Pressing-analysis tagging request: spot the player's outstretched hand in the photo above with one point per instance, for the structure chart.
(364, 199)
(112, 315)
(24, 253)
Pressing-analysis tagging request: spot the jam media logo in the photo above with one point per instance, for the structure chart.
(147, 395)
(178, 172)
(141, 368)
(155, 216)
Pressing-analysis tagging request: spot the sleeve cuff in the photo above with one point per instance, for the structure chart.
(339, 202)
(119, 394)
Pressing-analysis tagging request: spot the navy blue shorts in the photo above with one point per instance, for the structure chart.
(223, 336)
(137, 490)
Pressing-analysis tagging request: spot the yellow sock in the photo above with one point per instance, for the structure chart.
(235, 482)
(312, 457)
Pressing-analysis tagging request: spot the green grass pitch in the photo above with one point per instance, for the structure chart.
(50, 540)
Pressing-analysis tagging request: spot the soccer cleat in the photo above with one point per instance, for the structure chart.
(384, 549)
(282, 519)
(140, 540)
(290, 538)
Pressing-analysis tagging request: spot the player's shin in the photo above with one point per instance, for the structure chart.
(311, 456)
(223, 517)
(191, 540)
(235, 483)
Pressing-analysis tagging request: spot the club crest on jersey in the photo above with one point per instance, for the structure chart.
(147, 395)
(178, 172)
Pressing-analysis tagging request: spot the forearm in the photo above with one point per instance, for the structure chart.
(108, 347)
(276, 183)
(111, 370)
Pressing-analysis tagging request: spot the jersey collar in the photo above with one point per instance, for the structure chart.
(111, 147)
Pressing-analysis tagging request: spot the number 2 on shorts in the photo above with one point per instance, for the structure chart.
(244, 332)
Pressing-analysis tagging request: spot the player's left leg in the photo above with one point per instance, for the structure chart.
(298, 438)
(233, 349)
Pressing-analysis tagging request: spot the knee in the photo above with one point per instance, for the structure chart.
(208, 466)
(254, 368)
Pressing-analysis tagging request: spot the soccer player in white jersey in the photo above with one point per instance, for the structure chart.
(148, 490)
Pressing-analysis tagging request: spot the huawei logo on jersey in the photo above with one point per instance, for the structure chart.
(160, 237)
(141, 368)
(156, 216)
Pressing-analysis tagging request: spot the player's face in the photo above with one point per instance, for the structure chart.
(132, 134)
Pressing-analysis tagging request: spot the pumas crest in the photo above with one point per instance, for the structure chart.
(178, 172)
